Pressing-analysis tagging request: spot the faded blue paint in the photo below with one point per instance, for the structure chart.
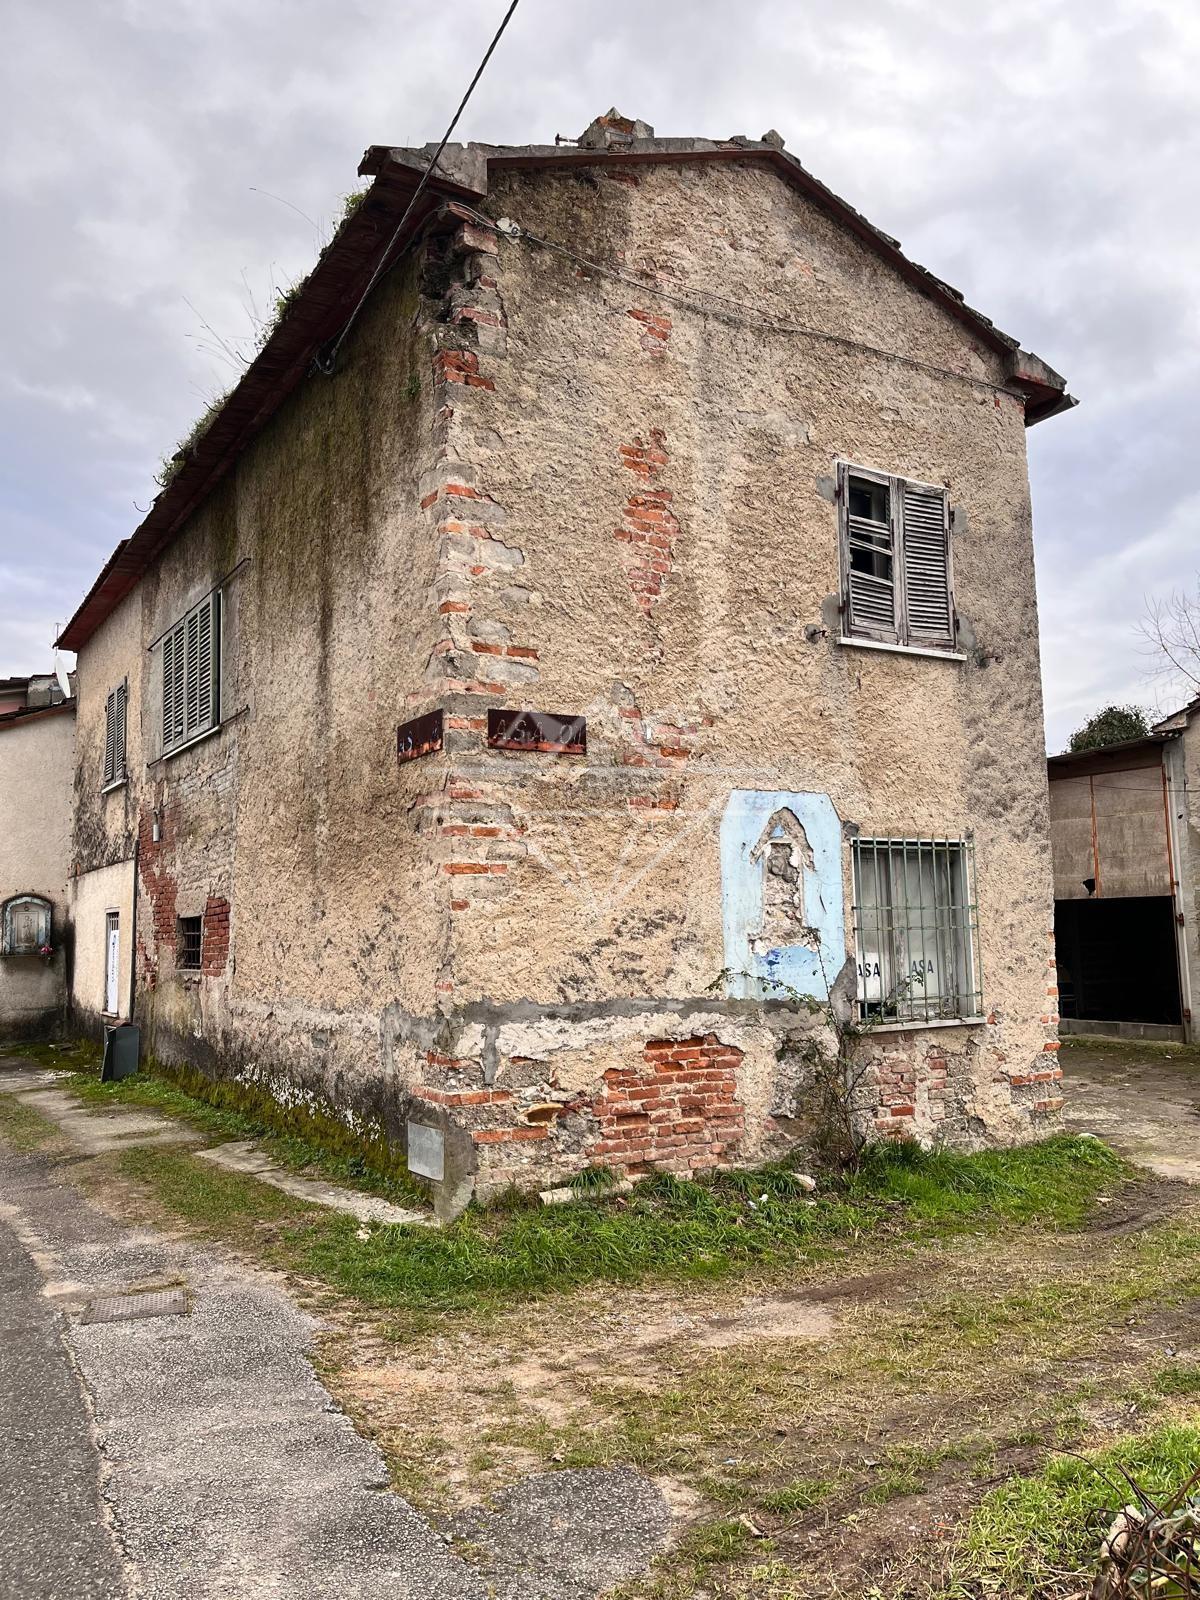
(769, 973)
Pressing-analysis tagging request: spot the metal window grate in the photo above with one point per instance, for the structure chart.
(191, 935)
(916, 930)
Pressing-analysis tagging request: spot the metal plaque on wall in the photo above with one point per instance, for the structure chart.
(420, 737)
(542, 731)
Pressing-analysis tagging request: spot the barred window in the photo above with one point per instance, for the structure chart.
(916, 930)
(192, 674)
(189, 944)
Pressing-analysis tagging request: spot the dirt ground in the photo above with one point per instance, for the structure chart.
(826, 1429)
(890, 1399)
(1143, 1099)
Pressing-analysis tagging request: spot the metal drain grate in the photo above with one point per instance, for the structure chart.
(128, 1307)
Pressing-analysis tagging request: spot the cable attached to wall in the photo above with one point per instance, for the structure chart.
(325, 361)
(725, 306)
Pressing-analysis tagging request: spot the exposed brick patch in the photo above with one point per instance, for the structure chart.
(649, 527)
(460, 366)
(679, 1111)
(155, 869)
(214, 945)
(656, 330)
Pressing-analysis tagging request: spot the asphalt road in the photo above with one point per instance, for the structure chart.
(54, 1539)
(227, 1469)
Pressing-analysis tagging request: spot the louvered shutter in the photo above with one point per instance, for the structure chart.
(191, 667)
(191, 657)
(926, 543)
(872, 597)
(110, 736)
(121, 704)
(205, 698)
(173, 687)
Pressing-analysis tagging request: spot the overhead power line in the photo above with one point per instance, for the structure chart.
(326, 359)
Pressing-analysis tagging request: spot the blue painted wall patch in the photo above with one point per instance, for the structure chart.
(781, 891)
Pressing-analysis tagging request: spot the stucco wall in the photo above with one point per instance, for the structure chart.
(36, 766)
(289, 830)
(517, 948)
(93, 895)
(587, 899)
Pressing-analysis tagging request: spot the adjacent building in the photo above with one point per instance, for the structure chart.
(37, 770)
(1125, 829)
(539, 694)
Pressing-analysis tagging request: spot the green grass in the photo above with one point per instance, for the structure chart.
(23, 1128)
(668, 1228)
(1031, 1531)
(305, 1141)
(798, 1496)
(1179, 1379)
(1055, 1180)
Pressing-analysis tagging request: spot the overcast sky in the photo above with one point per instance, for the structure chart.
(1042, 155)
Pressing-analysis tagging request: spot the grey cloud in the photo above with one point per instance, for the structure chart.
(1041, 155)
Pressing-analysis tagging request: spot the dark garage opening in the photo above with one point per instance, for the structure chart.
(1116, 960)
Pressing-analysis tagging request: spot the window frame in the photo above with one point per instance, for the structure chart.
(182, 944)
(954, 937)
(177, 725)
(116, 731)
(901, 634)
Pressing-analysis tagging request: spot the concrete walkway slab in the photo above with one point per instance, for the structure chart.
(226, 1470)
(100, 1129)
(1144, 1101)
(246, 1157)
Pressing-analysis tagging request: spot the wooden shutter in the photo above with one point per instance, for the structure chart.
(926, 544)
(110, 736)
(173, 708)
(191, 674)
(120, 698)
(869, 563)
(205, 664)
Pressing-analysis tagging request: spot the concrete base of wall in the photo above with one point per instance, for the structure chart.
(1162, 1032)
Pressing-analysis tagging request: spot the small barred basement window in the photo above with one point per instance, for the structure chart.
(916, 930)
(189, 945)
(25, 925)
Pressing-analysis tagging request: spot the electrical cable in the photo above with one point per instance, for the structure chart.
(686, 297)
(325, 360)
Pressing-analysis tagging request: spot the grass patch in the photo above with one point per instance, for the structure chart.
(23, 1128)
(799, 1496)
(1054, 1181)
(1178, 1379)
(673, 1228)
(304, 1140)
(1038, 1534)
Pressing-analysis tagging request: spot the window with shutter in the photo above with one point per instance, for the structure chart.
(115, 722)
(192, 674)
(896, 567)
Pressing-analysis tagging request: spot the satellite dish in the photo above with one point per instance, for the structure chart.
(64, 679)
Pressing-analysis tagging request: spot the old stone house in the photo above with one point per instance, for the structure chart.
(538, 695)
(37, 767)
(1125, 836)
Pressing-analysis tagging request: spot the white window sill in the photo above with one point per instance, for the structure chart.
(198, 738)
(117, 783)
(919, 1027)
(903, 649)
